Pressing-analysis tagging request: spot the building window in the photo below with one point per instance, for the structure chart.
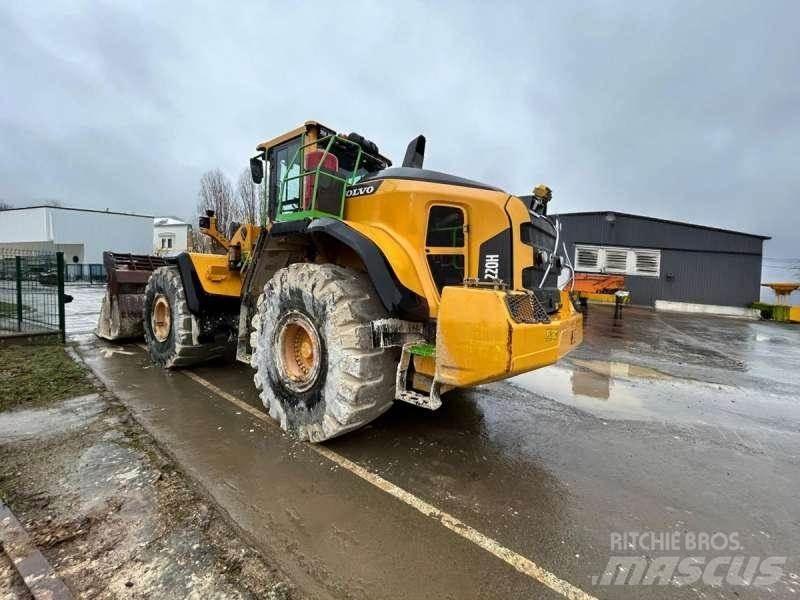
(623, 261)
(648, 262)
(587, 258)
(166, 241)
(616, 260)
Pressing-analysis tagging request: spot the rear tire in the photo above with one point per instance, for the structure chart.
(315, 363)
(168, 324)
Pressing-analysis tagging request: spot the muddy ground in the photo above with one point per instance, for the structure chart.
(662, 423)
(114, 515)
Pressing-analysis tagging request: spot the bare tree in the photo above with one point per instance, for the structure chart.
(216, 193)
(198, 242)
(5, 205)
(247, 194)
(45, 202)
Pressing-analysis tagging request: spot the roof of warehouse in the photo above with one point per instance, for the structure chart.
(91, 210)
(657, 220)
(169, 221)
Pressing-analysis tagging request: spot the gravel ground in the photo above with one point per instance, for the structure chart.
(113, 515)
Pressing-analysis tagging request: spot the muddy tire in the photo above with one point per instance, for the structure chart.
(168, 324)
(316, 367)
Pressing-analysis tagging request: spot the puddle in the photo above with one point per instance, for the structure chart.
(620, 390)
(771, 339)
(618, 370)
(37, 422)
(580, 387)
(597, 379)
(109, 474)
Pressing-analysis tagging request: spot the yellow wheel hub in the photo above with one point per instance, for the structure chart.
(161, 318)
(298, 351)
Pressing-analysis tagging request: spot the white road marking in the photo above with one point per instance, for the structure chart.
(519, 562)
(258, 414)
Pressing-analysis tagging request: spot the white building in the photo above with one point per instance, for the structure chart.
(81, 234)
(171, 236)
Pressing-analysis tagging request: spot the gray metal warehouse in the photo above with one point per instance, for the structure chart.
(667, 260)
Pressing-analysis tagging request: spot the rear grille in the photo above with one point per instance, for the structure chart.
(526, 308)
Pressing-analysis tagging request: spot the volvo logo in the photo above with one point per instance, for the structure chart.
(360, 191)
(363, 189)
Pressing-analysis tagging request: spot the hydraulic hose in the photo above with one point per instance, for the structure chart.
(557, 228)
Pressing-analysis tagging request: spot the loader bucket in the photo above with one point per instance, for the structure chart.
(121, 311)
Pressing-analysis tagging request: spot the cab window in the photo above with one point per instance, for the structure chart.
(445, 227)
(285, 160)
(444, 245)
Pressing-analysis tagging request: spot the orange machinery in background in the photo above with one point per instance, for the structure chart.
(601, 288)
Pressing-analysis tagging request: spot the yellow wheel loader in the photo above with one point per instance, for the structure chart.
(365, 284)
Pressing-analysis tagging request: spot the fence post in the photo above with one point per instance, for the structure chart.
(18, 261)
(62, 318)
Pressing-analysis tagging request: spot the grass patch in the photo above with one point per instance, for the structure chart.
(34, 375)
(9, 309)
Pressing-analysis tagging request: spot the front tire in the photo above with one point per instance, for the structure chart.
(168, 329)
(315, 363)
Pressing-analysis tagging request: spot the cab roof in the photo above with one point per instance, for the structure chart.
(292, 134)
(323, 130)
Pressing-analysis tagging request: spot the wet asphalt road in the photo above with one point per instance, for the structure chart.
(657, 423)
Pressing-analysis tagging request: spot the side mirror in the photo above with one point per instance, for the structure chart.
(257, 169)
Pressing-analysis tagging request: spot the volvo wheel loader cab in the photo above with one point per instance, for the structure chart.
(365, 284)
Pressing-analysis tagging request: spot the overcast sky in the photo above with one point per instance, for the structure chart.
(681, 110)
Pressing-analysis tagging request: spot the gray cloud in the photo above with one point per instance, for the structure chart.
(678, 110)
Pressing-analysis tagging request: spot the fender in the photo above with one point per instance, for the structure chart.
(395, 297)
(197, 299)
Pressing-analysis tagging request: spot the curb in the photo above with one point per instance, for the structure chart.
(39, 577)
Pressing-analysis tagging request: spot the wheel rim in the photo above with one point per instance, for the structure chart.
(298, 351)
(161, 318)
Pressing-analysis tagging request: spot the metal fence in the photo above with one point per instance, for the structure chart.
(31, 293)
(91, 273)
